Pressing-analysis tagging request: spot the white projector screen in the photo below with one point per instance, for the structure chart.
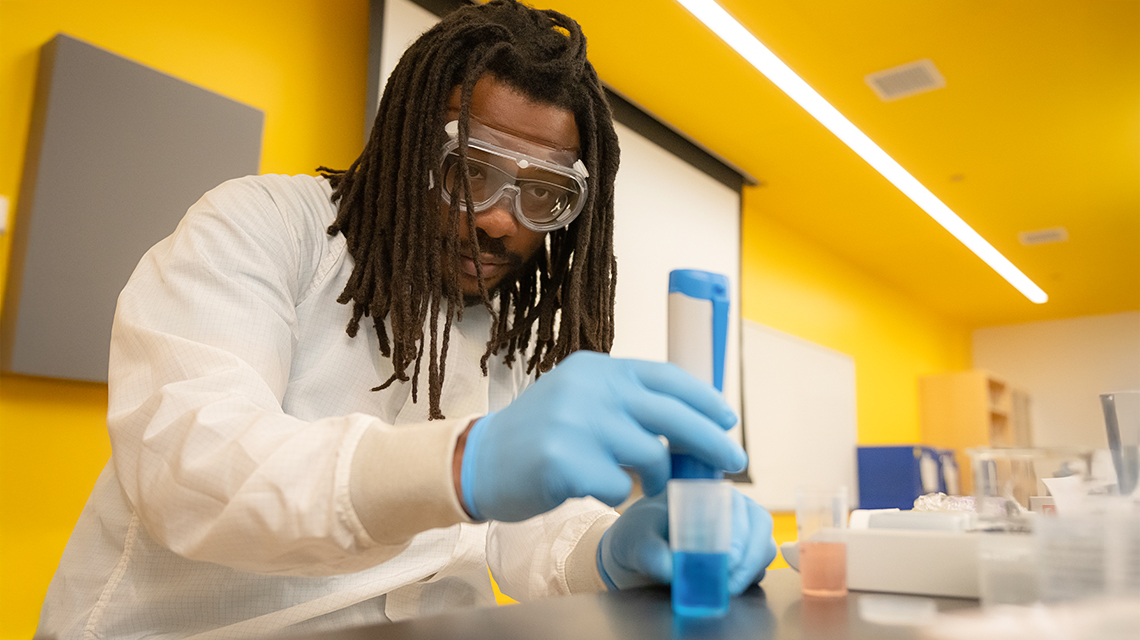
(801, 401)
(669, 215)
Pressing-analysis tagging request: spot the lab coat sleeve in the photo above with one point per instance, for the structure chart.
(200, 358)
(554, 553)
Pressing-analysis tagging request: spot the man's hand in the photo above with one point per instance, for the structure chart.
(571, 432)
(635, 550)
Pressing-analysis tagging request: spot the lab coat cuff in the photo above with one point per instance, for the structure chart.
(582, 575)
(401, 481)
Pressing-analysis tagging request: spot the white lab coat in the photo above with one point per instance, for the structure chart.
(231, 505)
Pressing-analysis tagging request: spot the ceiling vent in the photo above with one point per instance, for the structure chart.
(1043, 236)
(906, 80)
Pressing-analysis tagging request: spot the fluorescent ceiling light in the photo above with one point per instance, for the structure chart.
(774, 69)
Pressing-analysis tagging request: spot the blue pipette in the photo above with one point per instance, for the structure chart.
(698, 333)
(699, 503)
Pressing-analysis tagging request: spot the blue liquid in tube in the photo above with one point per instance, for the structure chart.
(700, 584)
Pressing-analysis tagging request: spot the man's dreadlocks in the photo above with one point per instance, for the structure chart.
(406, 261)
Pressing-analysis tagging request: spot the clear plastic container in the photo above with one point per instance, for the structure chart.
(700, 536)
(1007, 480)
(1092, 553)
(1007, 569)
(821, 518)
(1122, 424)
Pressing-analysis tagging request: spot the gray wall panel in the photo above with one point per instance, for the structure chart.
(117, 153)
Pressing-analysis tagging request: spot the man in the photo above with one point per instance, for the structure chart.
(273, 470)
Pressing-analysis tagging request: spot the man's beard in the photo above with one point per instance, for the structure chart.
(475, 300)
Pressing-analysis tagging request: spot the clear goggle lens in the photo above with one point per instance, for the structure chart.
(544, 195)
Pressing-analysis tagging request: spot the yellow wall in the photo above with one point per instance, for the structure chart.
(303, 62)
(53, 443)
(792, 285)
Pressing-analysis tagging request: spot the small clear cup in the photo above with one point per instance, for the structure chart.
(700, 537)
(821, 517)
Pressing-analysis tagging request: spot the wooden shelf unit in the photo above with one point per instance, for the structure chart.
(972, 409)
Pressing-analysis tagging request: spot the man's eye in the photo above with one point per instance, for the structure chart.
(540, 192)
(475, 172)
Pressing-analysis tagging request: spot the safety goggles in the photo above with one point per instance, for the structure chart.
(545, 186)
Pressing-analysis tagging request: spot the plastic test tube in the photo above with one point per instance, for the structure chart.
(700, 503)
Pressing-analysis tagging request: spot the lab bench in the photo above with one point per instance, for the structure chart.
(773, 611)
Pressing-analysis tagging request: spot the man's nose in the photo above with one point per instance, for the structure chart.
(498, 221)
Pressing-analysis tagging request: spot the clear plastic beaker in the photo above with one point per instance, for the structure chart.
(700, 537)
(821, 517)
(1122, 423)
(1006, 481)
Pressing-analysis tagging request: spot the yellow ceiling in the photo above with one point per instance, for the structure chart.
(1038, 126)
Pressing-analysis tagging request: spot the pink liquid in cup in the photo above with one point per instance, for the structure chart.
(823, 568)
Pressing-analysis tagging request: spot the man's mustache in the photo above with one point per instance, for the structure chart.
(488, 245)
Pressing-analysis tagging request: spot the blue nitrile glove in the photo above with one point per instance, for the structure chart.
(569, 434)
(634, 551)
(753, 547)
